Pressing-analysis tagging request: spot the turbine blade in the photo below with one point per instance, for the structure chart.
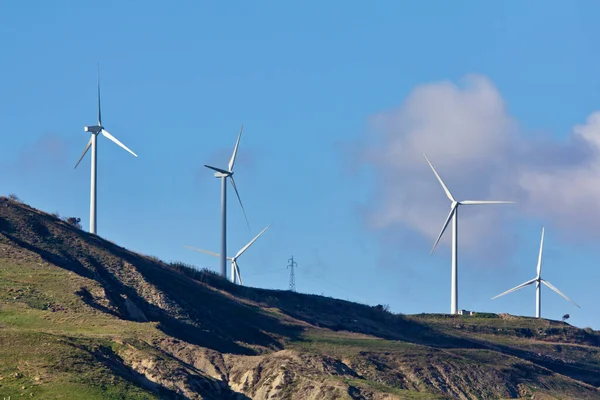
(116, 141)
(243, 249)
(439, 179)
(235, 149)
(450, 215)
(203, 251)
(87, 147)
(474, 202)
(522, 285)
(99, 112)
(237, 272)
(239, 199)
(551, 286)
(539, 264)
(218, 170)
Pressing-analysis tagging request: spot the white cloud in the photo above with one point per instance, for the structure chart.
(569, 193)
(481, 153)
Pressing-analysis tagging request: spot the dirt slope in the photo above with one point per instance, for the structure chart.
(81, 317)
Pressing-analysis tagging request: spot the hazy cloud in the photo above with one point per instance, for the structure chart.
(49, 149)
(481, 153)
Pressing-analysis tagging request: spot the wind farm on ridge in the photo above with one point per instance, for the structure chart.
(290, 218)
(227, 175)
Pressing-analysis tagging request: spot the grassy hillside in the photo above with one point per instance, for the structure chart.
(81, 317)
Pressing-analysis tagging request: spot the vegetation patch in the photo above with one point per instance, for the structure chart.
(401, 393)
(347, 344)
(54, 366)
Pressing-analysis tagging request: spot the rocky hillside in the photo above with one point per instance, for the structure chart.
(82, 318)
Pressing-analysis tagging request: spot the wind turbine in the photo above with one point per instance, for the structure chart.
(453, 215)
(235, 270)
(95, 130)
(538, 288)
(224, 174)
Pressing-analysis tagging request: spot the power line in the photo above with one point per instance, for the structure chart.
(265, 272)
(354, 293)
(291, 265)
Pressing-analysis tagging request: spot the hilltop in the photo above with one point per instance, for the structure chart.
(81, 317)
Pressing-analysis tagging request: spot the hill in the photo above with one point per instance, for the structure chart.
(83, 318)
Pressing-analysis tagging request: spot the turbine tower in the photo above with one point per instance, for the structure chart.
(453, 215)
(224, 174)
(538, 288)
(235, 269)
(95, 130)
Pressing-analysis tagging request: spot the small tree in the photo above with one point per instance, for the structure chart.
(13, 197)
(566, 317)
(383, 308)
(74, 221)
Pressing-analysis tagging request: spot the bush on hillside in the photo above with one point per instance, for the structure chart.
(14, 197)
(486, 315)
(73, 221)
(383, 308)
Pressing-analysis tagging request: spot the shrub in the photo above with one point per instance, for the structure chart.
(73, 221)
(487, 315)
(383, 308)
(14, 197)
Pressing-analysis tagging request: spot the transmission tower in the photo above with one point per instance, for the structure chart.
(291, 266)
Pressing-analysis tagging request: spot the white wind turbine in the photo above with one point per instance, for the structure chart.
(453, 215)
(235, 270)
(538, 288)
(224, 174)
(95, 130)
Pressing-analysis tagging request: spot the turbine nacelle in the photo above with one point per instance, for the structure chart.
(454, 203)
(96, 129)
(220, 173)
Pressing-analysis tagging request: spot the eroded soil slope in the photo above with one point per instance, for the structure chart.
(81, 317)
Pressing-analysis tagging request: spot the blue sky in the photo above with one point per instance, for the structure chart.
(338, 100)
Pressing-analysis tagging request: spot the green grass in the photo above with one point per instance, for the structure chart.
(39, 286)
(49, 341)
(345, 344)
(42, 298)
(403, 394)
(21, 317)
(57, 367)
